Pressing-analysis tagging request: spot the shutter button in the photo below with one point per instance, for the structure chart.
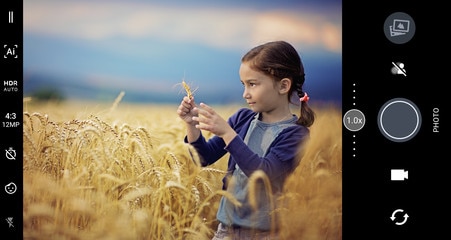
(399, 120)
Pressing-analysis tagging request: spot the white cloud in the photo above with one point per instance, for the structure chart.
(230, 28)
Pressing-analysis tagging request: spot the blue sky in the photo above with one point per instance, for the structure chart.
(95, 49)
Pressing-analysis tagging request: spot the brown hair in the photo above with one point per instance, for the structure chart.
(279, 60)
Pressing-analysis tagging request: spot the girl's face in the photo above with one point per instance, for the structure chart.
(261, 92)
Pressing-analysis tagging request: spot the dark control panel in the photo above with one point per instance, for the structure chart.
(393, 120)
(11, 98)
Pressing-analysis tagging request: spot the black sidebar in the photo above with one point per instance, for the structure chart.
(11, 110)
(394, 119)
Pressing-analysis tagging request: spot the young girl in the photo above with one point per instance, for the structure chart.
(265, 137)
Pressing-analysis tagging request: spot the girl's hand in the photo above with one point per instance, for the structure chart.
(186, 110)
(210, 121)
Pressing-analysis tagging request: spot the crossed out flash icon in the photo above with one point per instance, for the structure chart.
(9, 220)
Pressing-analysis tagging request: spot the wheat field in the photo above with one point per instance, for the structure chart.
(122, 171)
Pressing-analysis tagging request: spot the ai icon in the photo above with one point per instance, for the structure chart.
(10, 51)
(399, 174)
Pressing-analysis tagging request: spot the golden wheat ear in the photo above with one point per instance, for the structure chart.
(187, 89)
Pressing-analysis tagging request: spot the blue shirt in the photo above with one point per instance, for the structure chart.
(276, 157)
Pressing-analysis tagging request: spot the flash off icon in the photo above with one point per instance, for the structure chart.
(399, 174)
